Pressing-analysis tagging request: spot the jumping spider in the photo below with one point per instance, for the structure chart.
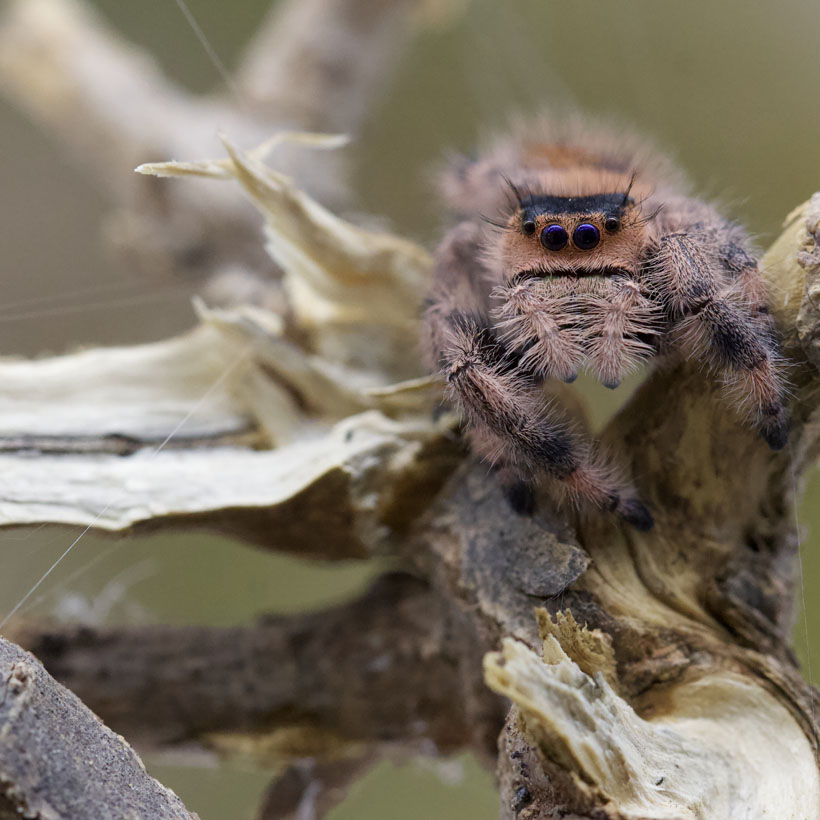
(577, 249)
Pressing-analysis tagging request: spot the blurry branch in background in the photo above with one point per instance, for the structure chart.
(650, 674)
(287, 683)
(313, 65)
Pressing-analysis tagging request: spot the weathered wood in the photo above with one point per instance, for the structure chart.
(89, 419)
(57, 759)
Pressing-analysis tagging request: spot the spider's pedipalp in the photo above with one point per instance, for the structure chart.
(538, 320)
(624, 323)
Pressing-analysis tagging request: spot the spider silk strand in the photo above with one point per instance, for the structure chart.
(158, 449)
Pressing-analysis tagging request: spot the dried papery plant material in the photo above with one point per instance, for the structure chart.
(252, 395)
(341, 480)
(233, 379)
(590, 649)
(714, 747)
(346, 285)
(797, 276)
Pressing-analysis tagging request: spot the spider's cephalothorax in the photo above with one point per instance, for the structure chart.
(578, 250)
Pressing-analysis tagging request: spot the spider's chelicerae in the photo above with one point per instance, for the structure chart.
(579, 249)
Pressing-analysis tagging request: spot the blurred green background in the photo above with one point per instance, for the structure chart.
(730, 89)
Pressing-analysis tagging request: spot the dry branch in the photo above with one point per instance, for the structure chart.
(686, 672)
(58, 761)
(294, 415)
(657, 681)
(111, 107)
(309, 789)
(341, 51)
(317, 65)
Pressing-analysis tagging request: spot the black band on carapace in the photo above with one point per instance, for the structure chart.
(546, 203)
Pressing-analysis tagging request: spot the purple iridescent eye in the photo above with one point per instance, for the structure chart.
(586, 236)
(554, 237)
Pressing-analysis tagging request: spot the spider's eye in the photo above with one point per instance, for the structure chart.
(554, 237)
(612, 224)
(528, 226)
(586, 236)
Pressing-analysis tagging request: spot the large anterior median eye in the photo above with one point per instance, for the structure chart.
(586, 236)
(554, 237)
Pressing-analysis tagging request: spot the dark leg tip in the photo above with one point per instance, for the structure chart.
(777, 435)
(612, 384)
(635, 513)
(520, 496)
(571, 378)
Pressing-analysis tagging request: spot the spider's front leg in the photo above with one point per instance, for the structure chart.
(714, 319)
(511, 425)
(509, 421)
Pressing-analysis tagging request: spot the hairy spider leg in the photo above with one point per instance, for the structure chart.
(714, 321)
